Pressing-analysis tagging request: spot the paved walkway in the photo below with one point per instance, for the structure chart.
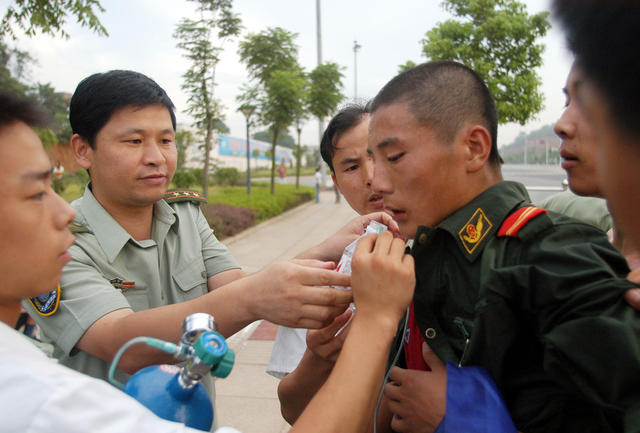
(247, 400)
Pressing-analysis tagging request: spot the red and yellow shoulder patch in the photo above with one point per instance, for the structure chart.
(512, 225)
(178, 195)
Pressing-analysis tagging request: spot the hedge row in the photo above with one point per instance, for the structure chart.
(231, 210)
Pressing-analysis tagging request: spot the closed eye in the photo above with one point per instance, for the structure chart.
(396, 157)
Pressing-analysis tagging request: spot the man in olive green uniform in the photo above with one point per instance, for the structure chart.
(144, 259)
(534, 297)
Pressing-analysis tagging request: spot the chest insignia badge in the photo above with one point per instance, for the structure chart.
(119, 283)
(475, 230)
(47, 304)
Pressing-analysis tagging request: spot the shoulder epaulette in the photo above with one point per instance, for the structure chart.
(77, 228)
(514, 222)
(178, 195)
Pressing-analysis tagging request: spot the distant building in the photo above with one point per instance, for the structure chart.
(229, 151)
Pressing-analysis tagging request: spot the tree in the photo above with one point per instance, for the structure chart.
(184, 140)
(497, 38)
(195, 38)
(268, 51)
(285, 140)
(57, 109)
(325, 89)
(409, 64)
(280, 106)
(50, 16)
(13, 64)
(278, 81)
(325, 94)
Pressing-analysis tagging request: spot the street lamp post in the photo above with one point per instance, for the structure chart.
(356, 47)
(248, 110)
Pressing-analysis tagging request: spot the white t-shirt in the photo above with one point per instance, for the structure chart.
(287, 351)
(39, 395)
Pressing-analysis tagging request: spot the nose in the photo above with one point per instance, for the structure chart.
(152, 155)
(368, 172)
(565, 127)
(380, 182)
(64, 214)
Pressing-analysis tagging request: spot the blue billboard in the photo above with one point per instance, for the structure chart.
(233, 146)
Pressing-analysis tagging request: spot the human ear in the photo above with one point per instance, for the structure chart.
(81, 151)
(478, 143)
(335, 182)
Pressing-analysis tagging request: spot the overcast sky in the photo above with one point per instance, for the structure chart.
(140, 38)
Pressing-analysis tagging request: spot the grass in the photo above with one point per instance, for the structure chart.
(291, 172)
(261, 201)
(225, 221)
(72, 191)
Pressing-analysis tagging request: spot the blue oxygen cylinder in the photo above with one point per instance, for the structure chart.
(175, 393)
(158, 388)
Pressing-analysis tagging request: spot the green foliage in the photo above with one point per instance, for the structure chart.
(195, 38)
(261, 201)
(409, 64)
(49, 17)
(279, 83)
(184, 179)
(71, 185)
(284, 139)
(497, 38)
(13, 64)
(57, 109)
(184, 139)
(325, 90)
(268, 51)
(227, 176)
(47, 136)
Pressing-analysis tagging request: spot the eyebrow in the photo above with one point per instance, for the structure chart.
(37, 175)
(348, 160)
(387, 142)
(142, 131)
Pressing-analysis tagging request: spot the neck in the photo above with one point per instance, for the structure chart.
(136, 219)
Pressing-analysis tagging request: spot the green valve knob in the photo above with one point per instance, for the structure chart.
(225, 365)
(211, 348)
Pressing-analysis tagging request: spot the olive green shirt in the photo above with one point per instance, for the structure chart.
(542, 311)
(110, 270)
(591, 210)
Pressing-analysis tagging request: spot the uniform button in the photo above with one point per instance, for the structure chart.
(203, 274)
(430, 333)
(422, 238)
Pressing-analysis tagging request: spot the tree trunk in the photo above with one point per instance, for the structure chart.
(207, 150)
(276, 132)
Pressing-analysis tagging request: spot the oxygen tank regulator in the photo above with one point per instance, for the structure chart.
(174, 392)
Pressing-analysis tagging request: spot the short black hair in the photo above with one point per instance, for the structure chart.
(348, 117)
(604, 37)
(17, 109)
(443, 95)
(98, 96)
